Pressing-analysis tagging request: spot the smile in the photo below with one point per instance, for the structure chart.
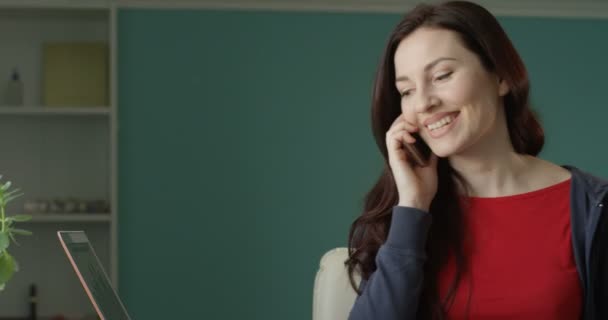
(442, 122)
(442, 126)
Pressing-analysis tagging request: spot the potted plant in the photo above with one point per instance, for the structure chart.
(8, 264)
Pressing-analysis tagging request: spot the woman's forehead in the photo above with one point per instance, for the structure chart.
(426, 45)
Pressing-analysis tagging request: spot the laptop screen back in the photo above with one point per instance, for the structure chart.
(92, 276)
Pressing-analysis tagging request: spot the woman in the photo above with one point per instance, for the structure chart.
(485, 230)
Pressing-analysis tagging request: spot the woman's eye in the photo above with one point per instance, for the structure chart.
(406, 93)
(443, 76)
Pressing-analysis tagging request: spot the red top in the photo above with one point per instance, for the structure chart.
(521, 264)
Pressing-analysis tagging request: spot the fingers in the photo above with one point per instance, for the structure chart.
(410, 127)
(402, 130)
(399, 132)
(397, 137)
(400, 122)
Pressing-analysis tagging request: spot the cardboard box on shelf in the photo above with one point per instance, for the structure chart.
(75, 74)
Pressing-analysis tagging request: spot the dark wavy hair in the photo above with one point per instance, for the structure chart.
(480, 33)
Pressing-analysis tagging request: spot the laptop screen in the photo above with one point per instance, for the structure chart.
(91, 274)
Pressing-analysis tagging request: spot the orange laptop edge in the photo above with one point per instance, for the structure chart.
(93, 277)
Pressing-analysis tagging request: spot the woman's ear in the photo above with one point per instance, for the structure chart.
(503, 87)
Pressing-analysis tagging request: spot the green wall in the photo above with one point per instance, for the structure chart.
(245, 146)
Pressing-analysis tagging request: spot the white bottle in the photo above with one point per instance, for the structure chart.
(13, 94)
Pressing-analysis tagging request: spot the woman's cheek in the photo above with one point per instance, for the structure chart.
(409, 115)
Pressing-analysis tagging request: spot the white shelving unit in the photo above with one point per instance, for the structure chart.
(54, 111)
(71, 217)
(56, 153)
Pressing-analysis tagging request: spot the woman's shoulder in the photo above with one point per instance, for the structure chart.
(547, 173)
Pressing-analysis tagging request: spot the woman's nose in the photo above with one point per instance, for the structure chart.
(425, 101)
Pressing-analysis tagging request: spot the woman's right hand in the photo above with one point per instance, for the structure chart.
(416, 185)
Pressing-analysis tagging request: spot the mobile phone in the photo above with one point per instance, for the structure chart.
(418, 153)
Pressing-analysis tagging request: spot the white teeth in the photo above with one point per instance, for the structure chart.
(440, 123)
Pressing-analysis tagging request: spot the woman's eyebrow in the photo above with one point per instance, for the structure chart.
(426, 68)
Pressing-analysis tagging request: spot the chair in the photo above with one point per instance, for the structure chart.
(333, 296)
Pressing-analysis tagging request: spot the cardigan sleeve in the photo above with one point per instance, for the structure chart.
(393, 289)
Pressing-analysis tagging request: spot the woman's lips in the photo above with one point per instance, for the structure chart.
(438, 133)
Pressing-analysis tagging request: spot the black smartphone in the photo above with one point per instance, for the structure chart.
(418, 153)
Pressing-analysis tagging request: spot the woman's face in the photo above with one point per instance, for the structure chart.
(445, 91)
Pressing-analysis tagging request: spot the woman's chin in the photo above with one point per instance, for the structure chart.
(444, 152)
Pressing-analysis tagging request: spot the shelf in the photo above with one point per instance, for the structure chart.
(57, 111)
(58, 152)
(58, 4)
(69, 217)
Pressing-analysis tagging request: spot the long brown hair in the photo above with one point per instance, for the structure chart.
(480, 33)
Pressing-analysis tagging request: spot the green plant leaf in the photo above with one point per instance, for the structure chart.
(19, 218)
(6, 186)
(4, 241)
(1, 286)
(20, 232)
(7, 267)
(13, 238)
(9, 196)
(12, 192)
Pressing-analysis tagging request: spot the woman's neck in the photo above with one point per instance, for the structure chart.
(495, 174)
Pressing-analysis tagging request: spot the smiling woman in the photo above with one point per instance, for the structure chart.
(485, 228)
(454, 78)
